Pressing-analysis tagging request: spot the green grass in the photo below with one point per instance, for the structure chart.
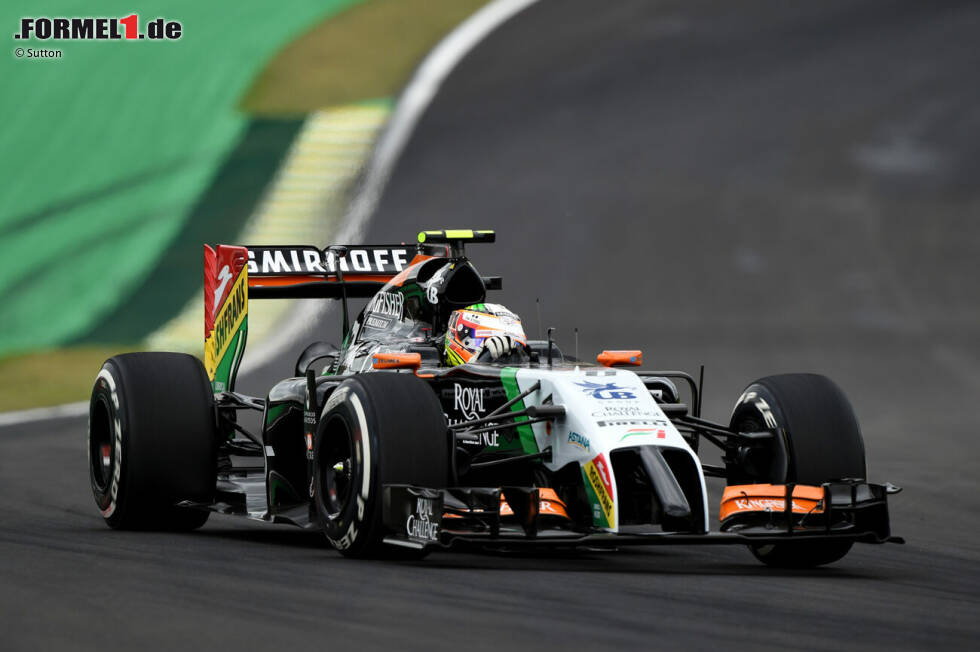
(107, 150)
(132, 137)
(51, 377)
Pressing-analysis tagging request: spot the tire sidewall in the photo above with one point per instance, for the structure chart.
(108, 392)
(759, 405)
(349, 413)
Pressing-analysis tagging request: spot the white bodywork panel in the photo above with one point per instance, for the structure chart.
(605, 409)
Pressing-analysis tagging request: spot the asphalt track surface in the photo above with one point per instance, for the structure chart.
(758, 187)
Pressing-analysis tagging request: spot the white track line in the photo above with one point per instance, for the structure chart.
(412, 103)
(44, 414)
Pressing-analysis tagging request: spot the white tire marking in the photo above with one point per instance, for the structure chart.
(365, 446)
(117, 444)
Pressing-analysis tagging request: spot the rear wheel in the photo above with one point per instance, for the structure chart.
(152, 441)
(822, 443)
(376, 429)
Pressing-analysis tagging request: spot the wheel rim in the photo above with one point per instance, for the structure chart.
(335, 466)
(100, 444)
(751, 423)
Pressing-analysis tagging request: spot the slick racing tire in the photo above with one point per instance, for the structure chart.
(152, 441)
(822, 442)
(376, 429)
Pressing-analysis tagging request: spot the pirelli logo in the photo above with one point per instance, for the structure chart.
(227, 322)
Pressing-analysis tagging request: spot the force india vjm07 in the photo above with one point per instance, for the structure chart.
(438, 424)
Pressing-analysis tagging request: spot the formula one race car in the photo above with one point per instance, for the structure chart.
(397, 443)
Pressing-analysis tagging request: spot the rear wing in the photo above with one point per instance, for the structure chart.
(297, 272)
(234, 274)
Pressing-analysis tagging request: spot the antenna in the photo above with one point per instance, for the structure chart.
(576, 345)
(551, 344)
(700, 389)
(537, 303)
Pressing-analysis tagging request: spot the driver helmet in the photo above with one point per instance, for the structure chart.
(470, 327)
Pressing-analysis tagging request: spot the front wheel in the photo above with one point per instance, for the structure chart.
(376, 429)
(821, 442)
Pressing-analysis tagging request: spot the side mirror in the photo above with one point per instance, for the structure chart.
(616, 358)
(396, 361)
(312, 353)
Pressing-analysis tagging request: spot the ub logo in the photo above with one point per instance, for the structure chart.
(606, 391)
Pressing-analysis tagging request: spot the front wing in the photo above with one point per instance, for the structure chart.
(420, 517)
